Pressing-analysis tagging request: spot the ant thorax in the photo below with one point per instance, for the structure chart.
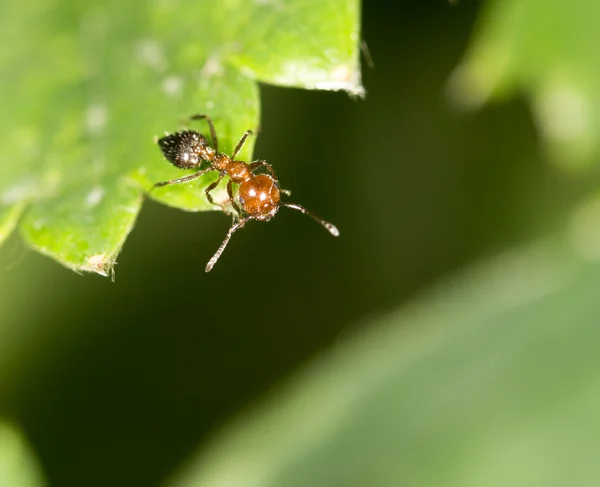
(220, 162)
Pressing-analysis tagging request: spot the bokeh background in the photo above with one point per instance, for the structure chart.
(117, 383)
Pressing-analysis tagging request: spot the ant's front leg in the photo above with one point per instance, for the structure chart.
(240, 144)
(257, 164)
(184, 179)
(233, 203)
(213, 133)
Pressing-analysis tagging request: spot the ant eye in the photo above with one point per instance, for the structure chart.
(242, 201)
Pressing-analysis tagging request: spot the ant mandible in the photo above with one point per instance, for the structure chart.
(258, 194)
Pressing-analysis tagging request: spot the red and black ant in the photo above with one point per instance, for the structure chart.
(259, 194)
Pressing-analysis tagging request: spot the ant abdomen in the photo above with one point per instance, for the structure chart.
(259, 197)
(182, 149)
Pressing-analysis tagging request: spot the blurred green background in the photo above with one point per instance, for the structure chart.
(118, 383)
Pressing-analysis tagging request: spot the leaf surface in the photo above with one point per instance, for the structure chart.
(548, 51)
(88, 86)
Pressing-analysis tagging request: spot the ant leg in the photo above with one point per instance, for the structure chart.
(211, 187)
(233, 203)
(232, 230)
(184, 179)
(213, 133)
(256, 164)
(240, 144)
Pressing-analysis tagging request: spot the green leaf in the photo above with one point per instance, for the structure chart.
(88, 86)
(492, 380)
(9, 216)
(18, 466)
(548, 50)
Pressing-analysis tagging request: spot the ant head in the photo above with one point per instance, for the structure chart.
(182, 148)
(260, 197)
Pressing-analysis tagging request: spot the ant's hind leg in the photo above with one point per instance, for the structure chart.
(184, 179)
(240, 144)
(213, 133)
(233, 203)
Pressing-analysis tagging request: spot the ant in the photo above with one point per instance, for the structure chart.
(259, 194)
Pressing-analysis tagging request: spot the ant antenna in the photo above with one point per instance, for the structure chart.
(328, 226)
(232, 230)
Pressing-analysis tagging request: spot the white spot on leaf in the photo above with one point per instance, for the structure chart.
(39, 224)
(150, 53)
(94, 197)
(563, 113)
(19, 192)
(172, 85)
(95, 118)
(212, 67)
